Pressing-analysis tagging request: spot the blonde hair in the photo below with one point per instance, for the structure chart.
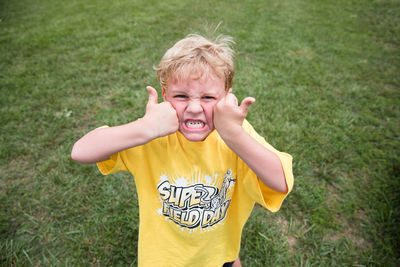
(195, 57)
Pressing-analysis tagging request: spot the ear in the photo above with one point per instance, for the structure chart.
(164, 94)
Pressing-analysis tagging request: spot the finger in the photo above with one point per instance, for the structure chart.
(153, 96)
(244, 106)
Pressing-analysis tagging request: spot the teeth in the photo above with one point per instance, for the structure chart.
(194, 124)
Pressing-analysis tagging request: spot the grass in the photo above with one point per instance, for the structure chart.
(325, 76)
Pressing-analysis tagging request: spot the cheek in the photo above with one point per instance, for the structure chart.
(179, 108)
(208, 110)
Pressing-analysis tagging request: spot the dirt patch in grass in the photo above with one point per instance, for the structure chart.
(302, 53)
(286, 230)
(292, 243)
(349, 225)
(18, 170)
(357, 241)
(351, 231)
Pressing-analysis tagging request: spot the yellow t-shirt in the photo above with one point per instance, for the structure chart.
(194, 198)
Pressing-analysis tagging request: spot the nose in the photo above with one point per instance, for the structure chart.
(194, 106)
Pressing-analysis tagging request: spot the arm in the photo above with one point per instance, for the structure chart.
(228, 120)
(98, 145)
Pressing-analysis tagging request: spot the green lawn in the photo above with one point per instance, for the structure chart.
(326, 78)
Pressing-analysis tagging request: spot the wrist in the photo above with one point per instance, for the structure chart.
(147, 131)
(232, 134)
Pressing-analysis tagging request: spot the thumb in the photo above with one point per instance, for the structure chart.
(153, 96)
(244, 106)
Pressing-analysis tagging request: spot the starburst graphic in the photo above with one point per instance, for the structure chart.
(180, 181)
(163, 177)
(208, 179)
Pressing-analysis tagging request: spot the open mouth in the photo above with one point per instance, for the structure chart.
(194, 124)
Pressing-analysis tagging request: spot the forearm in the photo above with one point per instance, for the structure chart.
(101, 143)
(264, 163)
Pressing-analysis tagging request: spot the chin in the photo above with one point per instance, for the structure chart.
(195, 137)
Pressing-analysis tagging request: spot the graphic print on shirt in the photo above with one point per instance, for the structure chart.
(196, 205)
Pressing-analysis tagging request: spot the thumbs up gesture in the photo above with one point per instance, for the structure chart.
(160, 118)
(228, 115)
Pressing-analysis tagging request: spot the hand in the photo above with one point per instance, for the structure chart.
(160, 118)
(228, 116)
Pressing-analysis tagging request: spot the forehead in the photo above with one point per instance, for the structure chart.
(204, 84)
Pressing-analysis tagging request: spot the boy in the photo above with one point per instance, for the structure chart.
(198, 165)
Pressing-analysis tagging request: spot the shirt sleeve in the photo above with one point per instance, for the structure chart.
(114, 164)
(255, 188)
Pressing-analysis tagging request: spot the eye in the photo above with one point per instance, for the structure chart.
(180, 96)
(208, 97)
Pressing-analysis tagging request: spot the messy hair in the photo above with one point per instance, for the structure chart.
(195, 57)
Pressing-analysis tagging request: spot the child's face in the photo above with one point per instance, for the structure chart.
(194, 101)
